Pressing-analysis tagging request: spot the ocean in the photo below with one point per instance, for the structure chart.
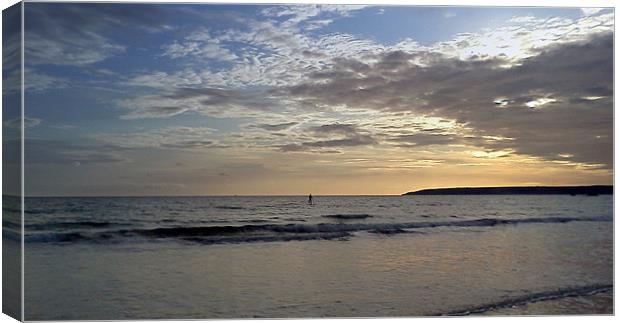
(110, 258)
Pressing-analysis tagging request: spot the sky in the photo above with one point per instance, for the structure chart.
(198, 99)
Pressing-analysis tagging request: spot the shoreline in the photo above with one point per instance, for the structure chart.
(600, 303)
(593, 299)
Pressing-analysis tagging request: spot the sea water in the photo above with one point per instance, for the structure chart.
(343, 256)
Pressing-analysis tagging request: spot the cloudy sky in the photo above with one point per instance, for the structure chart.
(143, 99)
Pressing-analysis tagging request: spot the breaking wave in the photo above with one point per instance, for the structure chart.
(275, 232)
(71, 225)
(347, 216)
(229, 207)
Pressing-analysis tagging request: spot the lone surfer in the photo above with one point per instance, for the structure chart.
(310, 199)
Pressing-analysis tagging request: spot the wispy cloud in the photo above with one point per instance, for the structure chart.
(165, 138)
(206, 101)
(28, 122)
(52, 35)
(57, 152)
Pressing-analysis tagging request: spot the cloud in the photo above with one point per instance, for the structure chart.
(307, 14)
(200, 44)
(11, 40)
(508, 82)
(152, 110)
(335, 136)
(192, 144)
(28, 122)
(164, 80)
(267, 52)
(34, 82)
(346, 130)
(424, 139)
(278, 51)
(497, 88)
(73, 50)
(591, 11)
(466, 91)
(53, 38)
(206, 101)
(523, 37)
(360, 140)
(57, 152)
(177, 137)
(62, 126)
(275, 127)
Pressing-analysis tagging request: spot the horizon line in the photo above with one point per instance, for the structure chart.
(266, 195)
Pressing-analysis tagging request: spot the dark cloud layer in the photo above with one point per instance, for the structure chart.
(559, 102)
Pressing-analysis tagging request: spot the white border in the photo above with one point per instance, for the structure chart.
(488, 3)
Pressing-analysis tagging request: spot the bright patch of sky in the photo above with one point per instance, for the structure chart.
(428, 25)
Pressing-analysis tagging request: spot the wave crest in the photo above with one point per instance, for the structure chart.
(281, 232)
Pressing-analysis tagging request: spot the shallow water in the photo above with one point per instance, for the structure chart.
(232, 257)
(598, 304)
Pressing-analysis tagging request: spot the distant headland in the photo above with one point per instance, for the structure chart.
(518, 190)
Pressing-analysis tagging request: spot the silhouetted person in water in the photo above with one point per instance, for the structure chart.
(310, 199)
